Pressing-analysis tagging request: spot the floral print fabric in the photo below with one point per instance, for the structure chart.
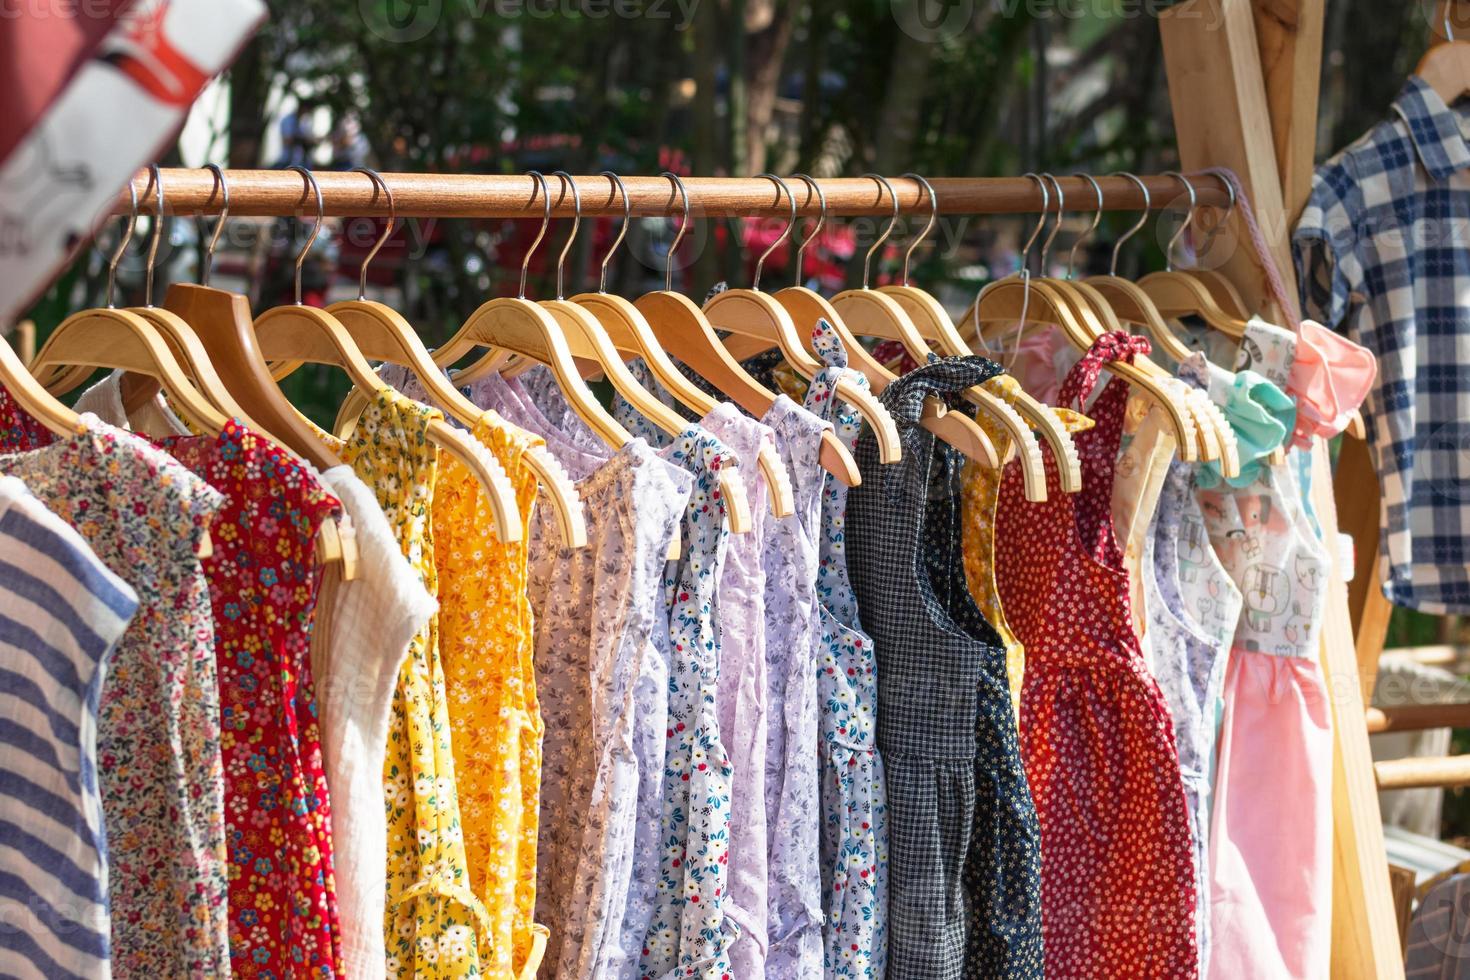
(263, 582)
(854, 802)
(494, 716)
(596, 610)
(1096, 734)
(688, 932)
(748, 698)
(434, 924)
(158, 738)
(793, 632)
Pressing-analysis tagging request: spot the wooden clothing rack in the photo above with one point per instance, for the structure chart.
(281, 193)
(1243, 83)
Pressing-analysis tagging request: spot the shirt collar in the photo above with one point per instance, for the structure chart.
(1434, 127)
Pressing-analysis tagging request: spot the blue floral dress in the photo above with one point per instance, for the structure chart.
(688, 933)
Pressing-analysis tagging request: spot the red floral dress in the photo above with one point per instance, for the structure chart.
(1117, 866)
(263, 584)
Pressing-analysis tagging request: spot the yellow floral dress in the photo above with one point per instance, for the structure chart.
(979, 497)
(434, 925)
(494, 718)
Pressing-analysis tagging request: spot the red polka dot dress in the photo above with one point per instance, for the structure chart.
(1117, 867)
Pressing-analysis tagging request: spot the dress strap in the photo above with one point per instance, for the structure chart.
(942, 376)
(1117, 345)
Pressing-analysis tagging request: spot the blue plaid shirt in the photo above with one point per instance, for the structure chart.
(1383, 255)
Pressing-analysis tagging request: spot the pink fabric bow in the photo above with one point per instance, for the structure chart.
(1330, 378)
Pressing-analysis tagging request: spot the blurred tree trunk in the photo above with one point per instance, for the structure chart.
(898, 120)
(768, 28)
(249, 89)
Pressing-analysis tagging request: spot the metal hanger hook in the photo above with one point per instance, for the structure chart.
(1041, 223)
(821, 220)
(1137, 226)
(679, 236)
(122, 245)
(785, 232)
(1188, 218)
(561, 260)
(540, 180)
(1214, 232)
(312, 187)
(1091, 229)
(219, 225)
(623, 231)
(928, 227)
(1051, 236)
(868, 259)
(155, 177)
(378, 184)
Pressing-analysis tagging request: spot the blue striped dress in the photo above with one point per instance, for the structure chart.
(61, 615)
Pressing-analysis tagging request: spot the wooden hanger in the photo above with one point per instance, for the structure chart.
(1017, 300)
(383, 334)
(752, 313)
(1129, 302)
(1216, 437)
(1227, 297)
(683, 331)
(1446, 67)
(31, 396)
(306, 333)
(1177, 294)
(220, 321)
(868, 312)
(517, 325)
(590, 343)
(121, 339)
(933, 323)
(632, 335)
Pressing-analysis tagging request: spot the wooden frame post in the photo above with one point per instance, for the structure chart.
(1249, 102)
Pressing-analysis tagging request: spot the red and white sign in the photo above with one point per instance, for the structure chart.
(70, 154)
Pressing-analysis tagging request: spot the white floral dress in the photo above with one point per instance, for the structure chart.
(854, 804)
(688, 933)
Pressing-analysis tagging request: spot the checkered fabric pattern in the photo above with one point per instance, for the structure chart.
(1383, 255)
(964, 844)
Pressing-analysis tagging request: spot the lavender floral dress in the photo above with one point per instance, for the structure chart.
(742, 695)
(793, 628)
(854, 805)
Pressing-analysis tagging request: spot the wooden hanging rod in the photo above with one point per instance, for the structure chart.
(277, 193)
